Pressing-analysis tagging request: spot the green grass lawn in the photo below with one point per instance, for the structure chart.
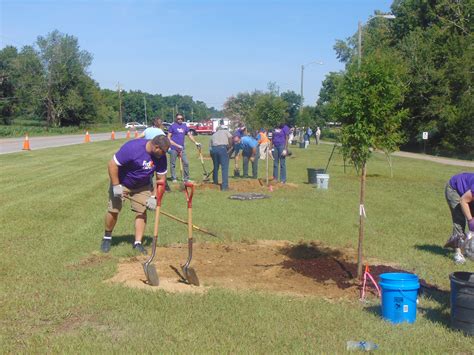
(52, 208)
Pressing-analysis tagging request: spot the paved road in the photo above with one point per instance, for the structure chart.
(12, 145)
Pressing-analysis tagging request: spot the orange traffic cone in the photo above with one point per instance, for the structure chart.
(112, 136)
(128, 134)
(136, 134)
(87, 138)
(26, 143)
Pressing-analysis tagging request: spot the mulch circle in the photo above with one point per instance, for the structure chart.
(329, 267)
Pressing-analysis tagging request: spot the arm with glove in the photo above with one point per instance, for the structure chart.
(466, 200)
(151, 201)
(113, 169)
(198, 145)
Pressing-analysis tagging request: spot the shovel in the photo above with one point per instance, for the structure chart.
(188, 272)
(205, 174)
(148, 267)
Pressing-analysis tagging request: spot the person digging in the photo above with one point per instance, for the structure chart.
(248, 145)
(131, 171)
(459, 193)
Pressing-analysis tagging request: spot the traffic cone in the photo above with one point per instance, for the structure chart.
(87, 138)
(136, 134)
(26, 143)
(112, 136)
(128, 134)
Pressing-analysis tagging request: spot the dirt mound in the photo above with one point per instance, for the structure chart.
(271, 266)
(247, 185)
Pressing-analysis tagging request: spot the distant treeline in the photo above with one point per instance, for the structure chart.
(49, 83)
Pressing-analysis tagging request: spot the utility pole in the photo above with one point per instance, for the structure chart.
(359, 45)
(144, 102)
(301, 90)
(120, 102)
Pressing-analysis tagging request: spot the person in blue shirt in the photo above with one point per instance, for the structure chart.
(248, 145)
(155, 130)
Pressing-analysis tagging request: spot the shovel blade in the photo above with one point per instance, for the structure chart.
(151, 274)
(191, 276)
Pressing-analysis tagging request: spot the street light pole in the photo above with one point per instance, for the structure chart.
(302, 81)
(359, 30)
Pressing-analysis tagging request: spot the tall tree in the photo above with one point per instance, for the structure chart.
(65, 68)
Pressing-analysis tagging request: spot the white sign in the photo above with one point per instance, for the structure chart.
(425, 135)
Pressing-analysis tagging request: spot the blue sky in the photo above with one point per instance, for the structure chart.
(207, 49)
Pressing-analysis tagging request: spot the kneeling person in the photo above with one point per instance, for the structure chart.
(131, 171)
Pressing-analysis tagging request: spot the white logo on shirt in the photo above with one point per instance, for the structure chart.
(148, 165)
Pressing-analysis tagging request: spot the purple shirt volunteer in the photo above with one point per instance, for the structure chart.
(178, 133)
(280, 135)
(136, 166)
(462, 183)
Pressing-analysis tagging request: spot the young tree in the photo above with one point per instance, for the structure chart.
(368, 105)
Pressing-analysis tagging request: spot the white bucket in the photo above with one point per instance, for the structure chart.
(322, 181)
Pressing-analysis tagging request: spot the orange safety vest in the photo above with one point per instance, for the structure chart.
(263, 138)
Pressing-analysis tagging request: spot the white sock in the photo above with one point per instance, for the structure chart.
(137, 242)
(108, 238)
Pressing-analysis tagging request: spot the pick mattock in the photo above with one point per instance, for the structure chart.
(205, 174)
(148, 267)
(188, 272)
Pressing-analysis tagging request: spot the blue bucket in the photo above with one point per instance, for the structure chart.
(399, 296)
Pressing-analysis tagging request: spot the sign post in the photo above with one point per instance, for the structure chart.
(425, 138)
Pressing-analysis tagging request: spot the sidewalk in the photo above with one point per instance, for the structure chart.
(432, 158)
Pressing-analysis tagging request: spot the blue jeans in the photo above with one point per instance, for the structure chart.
(246, 158)
(220, 158)
(173, 157)
(278, 160)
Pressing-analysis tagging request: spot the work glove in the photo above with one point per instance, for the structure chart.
(471, 224)
(118, 190)
(252, 159)
(198, 145)
(284, 153)
(151, 203)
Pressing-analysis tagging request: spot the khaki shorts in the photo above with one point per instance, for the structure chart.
(137, 197)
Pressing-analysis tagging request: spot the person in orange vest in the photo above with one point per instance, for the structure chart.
(263, 143)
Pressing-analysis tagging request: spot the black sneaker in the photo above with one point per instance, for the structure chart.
(105, 246)
(139, 247)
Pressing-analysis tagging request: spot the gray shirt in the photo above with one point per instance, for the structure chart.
(221, 137)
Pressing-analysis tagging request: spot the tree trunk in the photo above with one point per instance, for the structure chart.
(361, 220)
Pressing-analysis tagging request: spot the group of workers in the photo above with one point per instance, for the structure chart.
(132, 168)
(252, 149)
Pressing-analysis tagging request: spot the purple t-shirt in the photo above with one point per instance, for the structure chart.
(280, 135)
(178, 133)
(136, 166)
(462, 183)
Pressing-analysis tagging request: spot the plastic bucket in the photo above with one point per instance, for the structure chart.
(322, 181)
(462, 301)
(312, 175)
(399, 296)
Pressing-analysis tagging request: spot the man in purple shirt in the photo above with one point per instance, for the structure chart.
(131, 171)
(280, 151)
(459, 194)
(176, 134)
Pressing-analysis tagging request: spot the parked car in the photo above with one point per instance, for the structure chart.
(135, 125)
